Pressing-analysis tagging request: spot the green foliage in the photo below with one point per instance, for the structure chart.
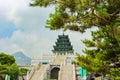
(57, 20)
(23, 71)
(78, 15)
(92, 64)
(89, 43)
(13, 71)
(48, 79)
(101, 51)
(115, 73)
(83, 13)
(8, 66)
(6, 59)
(3, 69)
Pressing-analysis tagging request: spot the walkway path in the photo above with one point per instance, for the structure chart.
(39, 73)
(66, 72)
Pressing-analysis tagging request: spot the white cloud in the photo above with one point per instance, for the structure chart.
(22, 14)
(26, 17)
(9, 5)
(8, 47)
(29, 22)
(31, 44)
(31, 37)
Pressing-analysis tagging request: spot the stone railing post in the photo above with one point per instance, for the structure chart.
(74, 72)
(35, 67)
(30, 74)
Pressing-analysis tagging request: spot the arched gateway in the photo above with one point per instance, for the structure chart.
(54, 73)
(58, 66)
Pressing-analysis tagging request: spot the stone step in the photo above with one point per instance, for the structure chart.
(66, 72)
(39, 72)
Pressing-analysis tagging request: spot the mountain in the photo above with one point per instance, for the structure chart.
(21, 58)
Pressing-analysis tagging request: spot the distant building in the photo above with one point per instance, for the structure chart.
(57, 66)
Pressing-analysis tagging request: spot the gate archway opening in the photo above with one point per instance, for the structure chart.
(54, 73)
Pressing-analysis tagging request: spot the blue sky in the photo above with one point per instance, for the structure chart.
(6, 28)
(22, 29)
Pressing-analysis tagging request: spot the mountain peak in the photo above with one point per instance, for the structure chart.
(21, 58)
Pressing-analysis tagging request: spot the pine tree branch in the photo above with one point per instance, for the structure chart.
(98, 25)
(99, 17)
(114, 13)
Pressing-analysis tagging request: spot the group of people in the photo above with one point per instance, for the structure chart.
(97, 77)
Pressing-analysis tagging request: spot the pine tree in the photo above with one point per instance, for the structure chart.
(78, 15)
(102, 51)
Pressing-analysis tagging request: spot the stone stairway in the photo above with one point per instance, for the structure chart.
(66, 72)
(39, 73)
